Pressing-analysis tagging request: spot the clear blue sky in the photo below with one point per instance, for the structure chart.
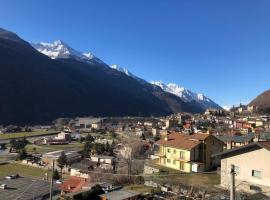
(219, 48)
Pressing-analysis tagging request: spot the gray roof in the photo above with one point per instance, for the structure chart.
(244, 149)
(119, 194)
(243, 138)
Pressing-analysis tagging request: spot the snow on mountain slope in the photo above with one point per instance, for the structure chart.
(127, 72)
(123, 70)
(186, 94)
(59, 49)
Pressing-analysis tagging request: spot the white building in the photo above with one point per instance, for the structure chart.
(251, 165)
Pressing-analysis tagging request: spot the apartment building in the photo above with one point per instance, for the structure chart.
(189, 153)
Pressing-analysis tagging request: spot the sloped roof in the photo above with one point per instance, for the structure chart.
(182, 141)
(73, 184)
(244, 149)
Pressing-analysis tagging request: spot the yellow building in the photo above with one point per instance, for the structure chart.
(189, 153)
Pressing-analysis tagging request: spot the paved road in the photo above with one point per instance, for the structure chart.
(34, 137)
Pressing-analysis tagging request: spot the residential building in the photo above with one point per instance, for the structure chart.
(52, 141)
(105, 162)
(236, 140)
(96, 125)
(155, 132)
(85, 123)
(63, 136)
(251, 167)
(189, 153)
(251, 108)
(171, 123)
(72, 156)
(74, 184)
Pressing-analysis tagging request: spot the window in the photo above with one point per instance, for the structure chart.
(169, 150)
(168, 160)
(174, 151)
(174, 162)
(256, 174)
(182, 165)
(182, 154)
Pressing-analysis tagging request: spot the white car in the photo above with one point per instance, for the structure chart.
(13, 176)
(58, 182)
(3, 186)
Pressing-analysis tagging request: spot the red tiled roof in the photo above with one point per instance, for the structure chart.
(183, 141)
(73, 184)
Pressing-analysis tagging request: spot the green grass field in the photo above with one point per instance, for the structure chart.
(25, 134)
(22, 170)
(48, 148)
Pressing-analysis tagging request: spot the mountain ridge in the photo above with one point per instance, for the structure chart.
(187, 95)
(262, 101)
(38, 89)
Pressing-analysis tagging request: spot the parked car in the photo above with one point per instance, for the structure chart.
(3, 186)
(58, 182)
(13, 176)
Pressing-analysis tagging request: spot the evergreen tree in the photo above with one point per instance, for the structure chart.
(22, 154)
(62, 161)
(56, 175)
(87, 149)
(89, 138)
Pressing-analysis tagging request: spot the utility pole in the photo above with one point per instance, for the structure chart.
(232, 189)
(51, 186)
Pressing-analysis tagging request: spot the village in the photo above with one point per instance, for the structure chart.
(183, 156)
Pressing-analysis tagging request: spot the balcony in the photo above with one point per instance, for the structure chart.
(176, 157)
(160, 154)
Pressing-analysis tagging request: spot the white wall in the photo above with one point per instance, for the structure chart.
(255, 160)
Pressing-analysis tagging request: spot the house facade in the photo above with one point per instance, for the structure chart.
(189, 153)
(251, 167)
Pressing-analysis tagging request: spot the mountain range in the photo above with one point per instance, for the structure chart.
(44, 81)
(187, 95)
(262, 102)
(59, 49)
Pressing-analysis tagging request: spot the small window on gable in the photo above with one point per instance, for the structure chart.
(256, 173)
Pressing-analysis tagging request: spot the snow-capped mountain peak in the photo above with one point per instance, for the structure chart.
(60, 49)
(89, 55)
(121, 69)
(185, 94)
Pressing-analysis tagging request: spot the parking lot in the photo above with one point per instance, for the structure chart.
(24, 188)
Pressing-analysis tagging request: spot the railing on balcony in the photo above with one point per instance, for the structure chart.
(177, 157)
